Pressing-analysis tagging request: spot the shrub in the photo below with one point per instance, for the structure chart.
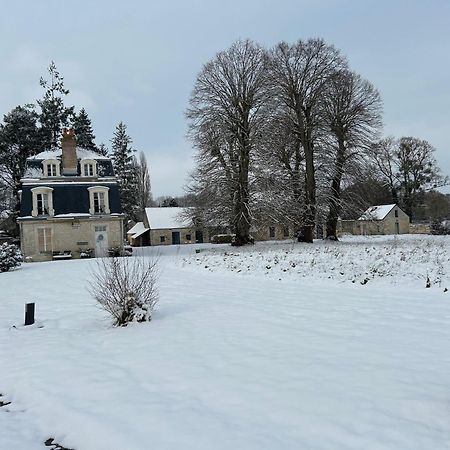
(126, 288)
(440, 227)
(10, 257)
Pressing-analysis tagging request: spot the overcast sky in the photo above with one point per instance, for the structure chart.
(136, 61)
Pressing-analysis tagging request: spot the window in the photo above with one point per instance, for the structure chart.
(51, 167)
(272, 232)
(42, 204)
(99, 200)
(100, 228)
(51, 170)
(162, 239)
(89, 167)
(286, 231)
(188, 237)
(44, 240)
(42, 201)
(88, 170)
(396, 213)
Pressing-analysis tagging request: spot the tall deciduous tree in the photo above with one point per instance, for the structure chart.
(352, 116)
(407, 165)
(54, 114)
(143, 185)
(418, 171)
(299, 74)
(83, 131)
(122, 155)
(226, 121)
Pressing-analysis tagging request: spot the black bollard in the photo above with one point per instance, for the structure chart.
(29, 313)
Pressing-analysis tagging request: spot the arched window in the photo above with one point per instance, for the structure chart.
(99, 200)
(42, 201)
(51, 168)
(88, 168)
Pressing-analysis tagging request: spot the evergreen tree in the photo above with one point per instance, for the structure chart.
(83, 131)
(54, 114)
(102, 149)
(19, 139)
(123, 159)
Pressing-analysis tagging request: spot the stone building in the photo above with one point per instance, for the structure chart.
(382, 219)
(70, 205)
(166, 226)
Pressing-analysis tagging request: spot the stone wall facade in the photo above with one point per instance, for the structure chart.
(274, 232)
(74, 235)
(187, 236)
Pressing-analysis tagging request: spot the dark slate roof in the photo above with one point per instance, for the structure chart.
(70, 198)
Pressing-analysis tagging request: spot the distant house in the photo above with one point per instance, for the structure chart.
(70, 204)
(382, 219)
(165, 226)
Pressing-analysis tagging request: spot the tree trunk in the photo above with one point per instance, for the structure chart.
(242, 208)
(335, 194)
(309, 219)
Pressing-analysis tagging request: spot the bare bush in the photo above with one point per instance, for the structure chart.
(126, 288)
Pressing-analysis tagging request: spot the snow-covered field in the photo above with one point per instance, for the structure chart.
(305, 354)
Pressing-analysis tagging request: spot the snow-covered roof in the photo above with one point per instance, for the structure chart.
(55, 153)
(166, 218)
(378, 212)
(137, 230)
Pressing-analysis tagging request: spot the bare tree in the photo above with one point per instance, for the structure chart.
(407, 165)
(143, 185)
(300, 74)
(383, 155)
(126, 288)
(418, 171)
(352, 115)
(226, 117)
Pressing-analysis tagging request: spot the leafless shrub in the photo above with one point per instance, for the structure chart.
(126, 288)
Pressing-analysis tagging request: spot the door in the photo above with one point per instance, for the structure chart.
(199, 236)
(397, 228)
(101, 241)
(175, 237)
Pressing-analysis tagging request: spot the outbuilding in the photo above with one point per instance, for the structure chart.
(166, 226)
(383, 219)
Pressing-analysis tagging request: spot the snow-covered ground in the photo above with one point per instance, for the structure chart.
(252, 359)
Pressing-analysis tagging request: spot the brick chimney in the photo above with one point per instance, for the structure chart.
(69, 152)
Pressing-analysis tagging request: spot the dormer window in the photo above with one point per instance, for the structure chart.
(88, 168)
(51, 168)
(99, 200)
(42, 201)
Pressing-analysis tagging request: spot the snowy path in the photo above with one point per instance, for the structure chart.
(228, 362)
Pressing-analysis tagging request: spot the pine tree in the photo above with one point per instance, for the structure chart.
(123, 159)
(19, 139)
(54, 114)
(83, 131)
(102, 149)
(10, 257)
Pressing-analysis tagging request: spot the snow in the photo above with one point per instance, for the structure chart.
(137, 230)
(166, 218)
(56, 153)
(68, 215)
(378, 212)
(231, 360)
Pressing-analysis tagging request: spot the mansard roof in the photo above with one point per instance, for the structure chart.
(34, 163)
